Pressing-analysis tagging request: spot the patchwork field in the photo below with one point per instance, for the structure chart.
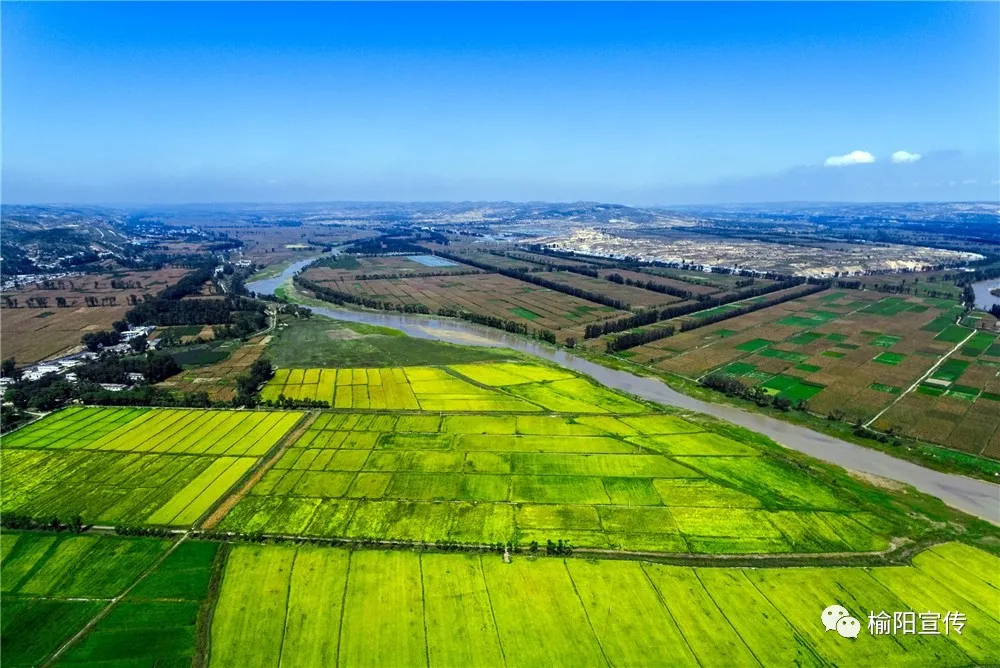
(219, 379)
(427, 463)
(133, 466)
(501, 386)
(854, 353)
(641, 482)
(563, 310)
(38, 328)
(312, 606)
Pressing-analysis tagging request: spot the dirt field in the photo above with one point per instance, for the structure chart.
(219, 380)
(857, 353)
(31, 334)
(489, 294)
(636, 297)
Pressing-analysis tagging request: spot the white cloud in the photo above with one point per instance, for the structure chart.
(852, 158)
(900, 157)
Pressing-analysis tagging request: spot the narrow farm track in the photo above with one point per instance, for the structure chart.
(977, 497)
(111, 604)
(924, 377)
(228, 502)
(901, 551)
(749, 353)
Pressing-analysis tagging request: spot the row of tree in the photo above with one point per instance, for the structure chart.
(650, 285)
(638, 337)
(743, 309)
(643, 336)
(650, 316)
(551, 266)
(340, 297)
(22, 522)
(522, 274)
(249, 383)
(164, 312)
(498, 323)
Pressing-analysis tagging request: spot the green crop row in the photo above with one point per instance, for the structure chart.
(315, 606)
(309, 606)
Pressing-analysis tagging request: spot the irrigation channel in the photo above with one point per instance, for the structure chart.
(977, 497)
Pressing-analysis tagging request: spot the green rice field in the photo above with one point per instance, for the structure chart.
(276, 605)
(55, 584)
(650, 483)
(494, 387)
(133, 466)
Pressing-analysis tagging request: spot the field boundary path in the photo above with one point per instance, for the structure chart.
(227, 502)
(923, 377)
(900, 551)
(113, 602)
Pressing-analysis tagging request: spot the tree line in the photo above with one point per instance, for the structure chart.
(172, 312)
(550, 266)
(650, 285)
(535, 279)
(498, 323)
(249, 383)
(650, 316)
(340, 297)
(632, 339)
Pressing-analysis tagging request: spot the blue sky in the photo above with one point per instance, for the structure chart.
(634, 103)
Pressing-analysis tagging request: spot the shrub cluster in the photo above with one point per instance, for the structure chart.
(340, 297)
(29, 523)
(733, 387)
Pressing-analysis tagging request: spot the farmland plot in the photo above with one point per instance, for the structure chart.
(133, 466)
(486, 294)
(54, 584)
(851, 352)
(457, 609)
(405, 388)
(649, 482)
(157, 622)
(512, 387)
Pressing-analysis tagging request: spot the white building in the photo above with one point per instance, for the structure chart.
(130, 334)
(112, 387)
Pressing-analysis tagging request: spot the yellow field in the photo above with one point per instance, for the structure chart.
(488, 387)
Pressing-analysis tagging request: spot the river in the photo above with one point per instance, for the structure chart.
(976, 497)
(984, 299)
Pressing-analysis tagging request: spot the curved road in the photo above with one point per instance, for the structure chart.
(976, 497)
